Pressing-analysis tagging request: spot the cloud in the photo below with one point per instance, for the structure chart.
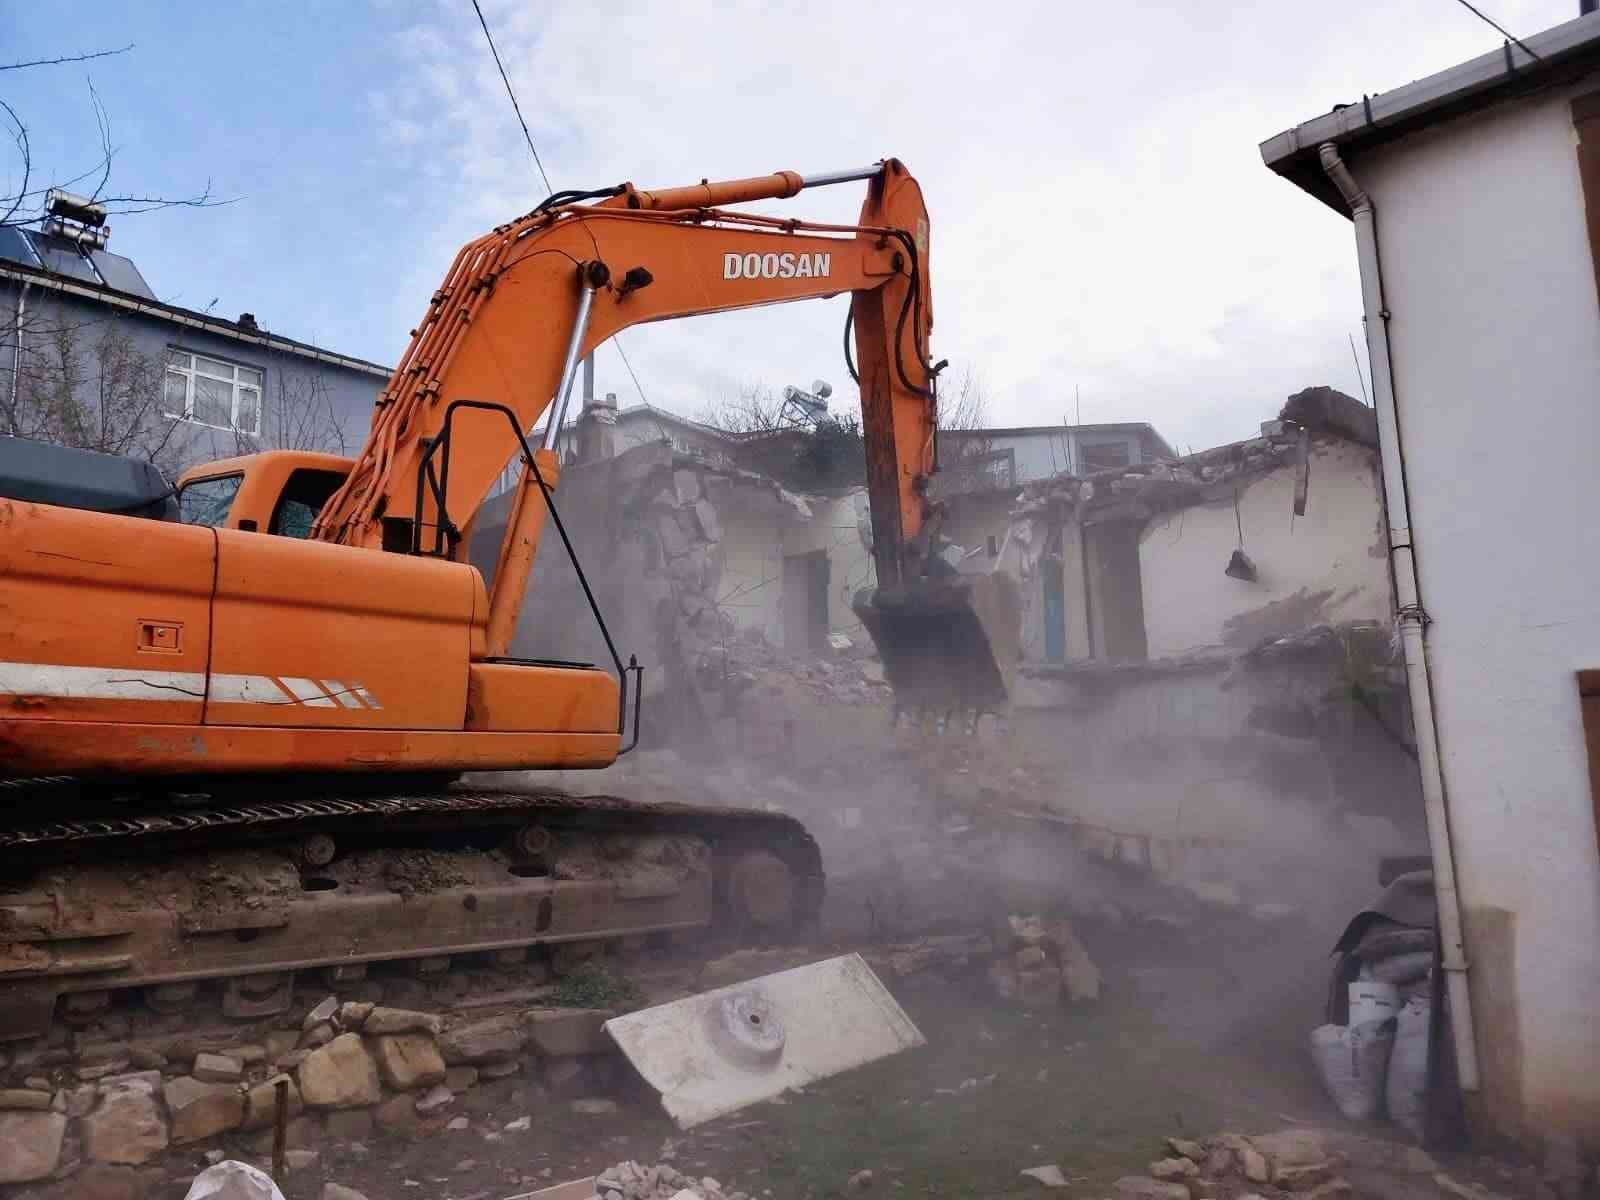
(1102, 222)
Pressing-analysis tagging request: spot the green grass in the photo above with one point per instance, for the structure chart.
(592, 985)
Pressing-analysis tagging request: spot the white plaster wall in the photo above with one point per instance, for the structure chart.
(751, 589)
(1327, 566)
(1496, 342)
(833, 527)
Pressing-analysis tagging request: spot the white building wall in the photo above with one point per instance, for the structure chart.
(1496, 342)
(1329, 565)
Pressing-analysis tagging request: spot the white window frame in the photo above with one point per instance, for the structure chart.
(186, 365)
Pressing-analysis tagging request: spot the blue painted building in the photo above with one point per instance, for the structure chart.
(90, 357)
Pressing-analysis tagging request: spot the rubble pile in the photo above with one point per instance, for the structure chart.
(345, 1068)
(753, 666)
(632, 1181)
(1046, 963)
(1302, 1164)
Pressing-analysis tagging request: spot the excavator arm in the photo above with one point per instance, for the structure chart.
(497, 350)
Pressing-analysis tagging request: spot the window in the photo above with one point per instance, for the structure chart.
(207, 501)
(213, 392)
(1105, 456)
(302, 499)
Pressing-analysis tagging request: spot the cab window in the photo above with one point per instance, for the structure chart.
(207, 501)
(303, 496)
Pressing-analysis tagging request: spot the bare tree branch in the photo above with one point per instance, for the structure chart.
(70, 58)
(21, 139)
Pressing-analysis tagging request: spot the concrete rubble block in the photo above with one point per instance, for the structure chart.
(261, 1103)
(401, 1020)
(1049, 1175)
(686, 486)
(1140, 1187)
(1171, 1169)
(128, 1126)
(1078, 972)
(705, 515)
(1184, 1148)
(216, 1068)
(554, 1032)
(199, 1109)
(459, 1079)
(340, 1075)
(495, 1039)
(30, 1144)
(407, 1061)
(674, 542)
(24, 1098)
(1254, 1165)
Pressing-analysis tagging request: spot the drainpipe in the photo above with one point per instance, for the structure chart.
(16, 350)
(1409, 612)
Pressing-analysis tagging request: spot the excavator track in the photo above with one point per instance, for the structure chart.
(105, 901)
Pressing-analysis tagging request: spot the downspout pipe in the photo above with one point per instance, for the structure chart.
(16, 351)
(1412, 618)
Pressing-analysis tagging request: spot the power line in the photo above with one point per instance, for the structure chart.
(1485, 17)
(616, 341)
(506, 79)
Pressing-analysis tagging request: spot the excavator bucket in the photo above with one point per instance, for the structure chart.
(948, 644)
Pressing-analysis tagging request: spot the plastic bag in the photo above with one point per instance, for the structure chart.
(1352, 1063)
(1407, 1087)
(231, 1180)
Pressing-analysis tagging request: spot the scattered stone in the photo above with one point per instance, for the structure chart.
(37, 1083)
(340, 1075)
(594, 1107)
(261, 1103)
(301, 1160)
(1184, 1148)
(1219, 1161)
(457, 1124)
(1306, 1178)
(1050, 1175)
(466, 1164)
(337, 1191)
(519, 1125)
(408, 1060)
(216, 1068)
(1029, 957)
(99, 1070)
(280, 1042)
(1292, 1147)
(482, 1041)
(249, 1054)
(561, 1031)
(353, 1014)
(200, 1109)
(291, 1060)
(498, 1070)
(128, 1126)
(434, 1099)
(1334, 1189)
(30, 1144)
(859, 1182)
(24, 1098)
(459, 1079)
(215, 1156)
(1139, 1187)
(400, 1020)
(1254, 1164)
(1173, 1168)
(350, 1124)
(318, 1035)
(322, 1012)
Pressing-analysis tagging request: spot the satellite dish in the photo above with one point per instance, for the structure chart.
(821, 388)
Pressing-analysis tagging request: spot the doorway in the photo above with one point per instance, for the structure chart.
(805, 602)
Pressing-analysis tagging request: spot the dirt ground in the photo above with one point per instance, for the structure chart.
(1199, 1029)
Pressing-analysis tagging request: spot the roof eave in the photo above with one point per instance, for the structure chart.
(1566, 51)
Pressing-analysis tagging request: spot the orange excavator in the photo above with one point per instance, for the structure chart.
(278, 687)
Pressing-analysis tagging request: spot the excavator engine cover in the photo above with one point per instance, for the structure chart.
(948, 643)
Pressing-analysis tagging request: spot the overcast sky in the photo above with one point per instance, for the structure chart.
(1102, 221)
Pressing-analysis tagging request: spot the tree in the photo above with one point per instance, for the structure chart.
(26, 204)
(299, 415)
(84, 382)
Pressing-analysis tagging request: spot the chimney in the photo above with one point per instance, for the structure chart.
(248, 321)
(597, 429)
